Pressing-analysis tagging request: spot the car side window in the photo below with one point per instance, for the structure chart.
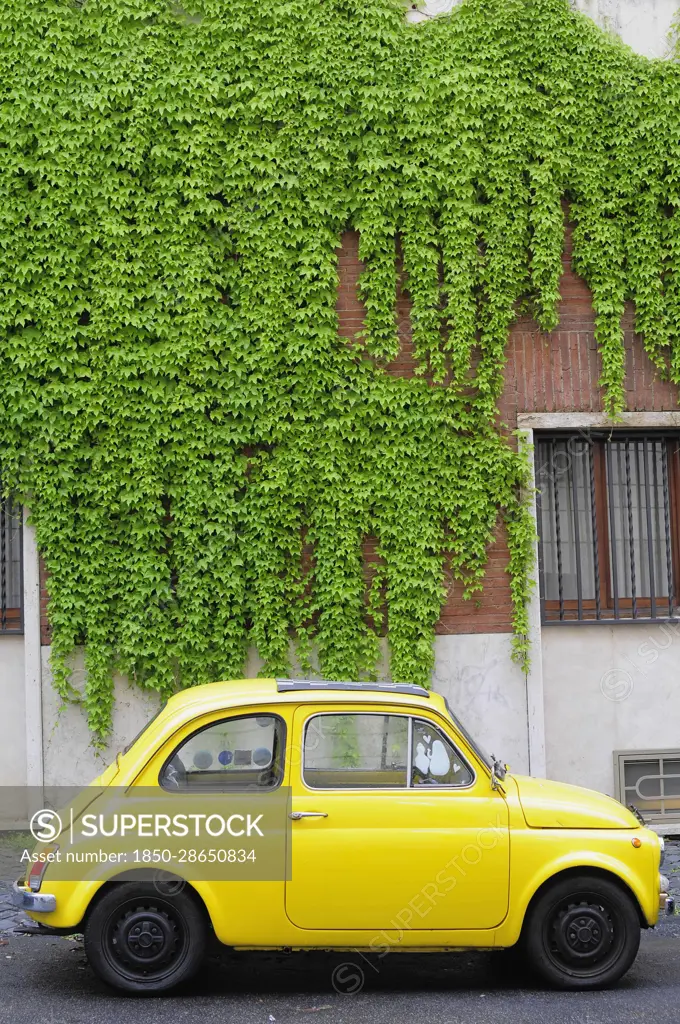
(434, 759)
(356, 751)
(235, 753)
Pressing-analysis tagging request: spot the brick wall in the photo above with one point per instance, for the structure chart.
(544, 373)
(556, 372)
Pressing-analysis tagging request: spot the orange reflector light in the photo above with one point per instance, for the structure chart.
(637, 843)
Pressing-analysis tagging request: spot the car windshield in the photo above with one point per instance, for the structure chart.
(479, 750)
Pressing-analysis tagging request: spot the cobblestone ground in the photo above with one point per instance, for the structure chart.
(13, 843)
(671, 868)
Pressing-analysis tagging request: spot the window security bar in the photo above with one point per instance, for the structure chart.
(607, 508)
(11, 568)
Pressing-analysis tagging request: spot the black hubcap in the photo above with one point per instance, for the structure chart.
(146, 940)
(584, 934)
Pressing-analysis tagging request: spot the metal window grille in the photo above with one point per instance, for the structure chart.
(11, 568)
(649, 779)
(607, 520)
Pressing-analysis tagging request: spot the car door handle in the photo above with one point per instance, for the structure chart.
(296, 815)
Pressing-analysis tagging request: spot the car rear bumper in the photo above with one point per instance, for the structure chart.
(33, 902)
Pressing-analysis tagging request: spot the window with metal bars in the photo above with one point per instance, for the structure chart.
(649, 779)
(11, 568)
(609, 543)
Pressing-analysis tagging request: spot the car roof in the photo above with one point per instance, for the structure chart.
(237, 692)
(208, 698)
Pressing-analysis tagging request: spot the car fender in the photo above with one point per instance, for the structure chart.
(526, 882)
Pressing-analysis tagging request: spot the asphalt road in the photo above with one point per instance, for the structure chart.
(48, 980)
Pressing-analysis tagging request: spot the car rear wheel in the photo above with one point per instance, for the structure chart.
(141, 940)
(583, 932)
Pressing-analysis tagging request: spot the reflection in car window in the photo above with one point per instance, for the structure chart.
(235, 753)
(362, 751)
(434, 760)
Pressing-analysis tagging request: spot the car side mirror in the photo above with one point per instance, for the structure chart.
(498, 773)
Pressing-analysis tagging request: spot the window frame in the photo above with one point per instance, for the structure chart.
(218, 721)
(566, 612)
(411, 717)
(11, 617)
(657, 758)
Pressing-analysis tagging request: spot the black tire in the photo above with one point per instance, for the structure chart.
(140, 940)
(582, 932)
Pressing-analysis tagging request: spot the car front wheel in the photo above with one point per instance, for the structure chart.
(139, 939)
(582, 932)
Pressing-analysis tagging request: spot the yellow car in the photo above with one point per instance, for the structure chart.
(389, 829)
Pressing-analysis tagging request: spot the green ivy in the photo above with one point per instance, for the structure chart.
(204, 457)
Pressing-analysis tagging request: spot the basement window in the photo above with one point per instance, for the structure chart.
(649, 779)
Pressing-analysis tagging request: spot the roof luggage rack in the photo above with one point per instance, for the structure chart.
(288, 685)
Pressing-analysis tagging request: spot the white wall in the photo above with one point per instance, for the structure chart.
(643, 24)
(486, 690)
(12, 712)
(473, 671)
(69, 757)
(608, 688)
(605, 688)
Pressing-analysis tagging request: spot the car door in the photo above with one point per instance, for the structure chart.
(395, 825)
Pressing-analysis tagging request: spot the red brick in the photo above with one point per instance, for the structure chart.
(543, 372)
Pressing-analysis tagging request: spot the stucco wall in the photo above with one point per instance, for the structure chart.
(473, 671)
(608, 688)
(13, 712)
(69, 757)
(643, 24)
(486, 690)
